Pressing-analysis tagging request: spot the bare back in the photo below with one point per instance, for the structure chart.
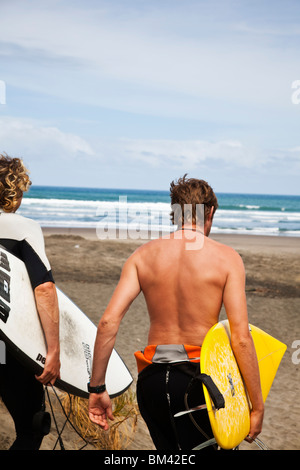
(183, 287)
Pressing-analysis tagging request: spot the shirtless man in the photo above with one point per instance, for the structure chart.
(184, 290)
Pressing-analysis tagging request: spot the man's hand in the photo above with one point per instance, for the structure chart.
(51, 370)
(256, 420)
(100, 409)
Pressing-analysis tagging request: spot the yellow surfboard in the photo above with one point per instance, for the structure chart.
(231, 424)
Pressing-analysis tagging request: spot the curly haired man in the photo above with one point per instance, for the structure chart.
(20, 390)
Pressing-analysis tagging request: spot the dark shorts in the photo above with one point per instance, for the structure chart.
(23, 396)
(164, 390)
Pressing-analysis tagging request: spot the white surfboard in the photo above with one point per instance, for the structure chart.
(20, 327)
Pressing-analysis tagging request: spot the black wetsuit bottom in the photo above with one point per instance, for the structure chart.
(23, 396)
(161, 390)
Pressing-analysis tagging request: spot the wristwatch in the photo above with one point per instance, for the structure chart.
(98, 389)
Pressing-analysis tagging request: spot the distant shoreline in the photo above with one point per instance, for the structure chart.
(243, 241)
(86, 208)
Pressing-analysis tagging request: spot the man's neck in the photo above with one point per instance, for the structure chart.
(195, 228)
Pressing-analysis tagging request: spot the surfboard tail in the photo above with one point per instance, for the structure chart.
(270, 352)
(231, 424)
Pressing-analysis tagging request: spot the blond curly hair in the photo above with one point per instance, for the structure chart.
(14, 180)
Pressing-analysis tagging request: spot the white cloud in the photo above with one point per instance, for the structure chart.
(125, 48)
(24, 137)
(34, 140)
(216, 77)
(58, 158)
(187, 153)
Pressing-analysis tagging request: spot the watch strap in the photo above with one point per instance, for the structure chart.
(98, 389)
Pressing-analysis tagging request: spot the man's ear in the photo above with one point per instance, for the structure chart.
(211, 213)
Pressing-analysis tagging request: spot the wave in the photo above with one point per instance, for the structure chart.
(253, 207)
(236, 213)
(77, 203)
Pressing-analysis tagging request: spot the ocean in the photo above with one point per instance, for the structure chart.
(150, 210)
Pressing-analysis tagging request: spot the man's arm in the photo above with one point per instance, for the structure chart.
(126, 291)
(234, 298)
(39, 271)
(47, 307)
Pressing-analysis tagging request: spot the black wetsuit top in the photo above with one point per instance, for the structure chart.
(21, 393)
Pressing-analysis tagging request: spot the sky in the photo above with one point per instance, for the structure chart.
(135, 93)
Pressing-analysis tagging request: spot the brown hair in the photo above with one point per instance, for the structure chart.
(193, 192)
(14, 180)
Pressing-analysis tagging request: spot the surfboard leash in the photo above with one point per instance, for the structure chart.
(67, 416)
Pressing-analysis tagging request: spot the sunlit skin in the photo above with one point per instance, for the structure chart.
(47, 307)
(184, 289)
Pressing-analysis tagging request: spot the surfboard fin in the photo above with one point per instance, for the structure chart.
(196, 408)
(260, 444)
(208, 443)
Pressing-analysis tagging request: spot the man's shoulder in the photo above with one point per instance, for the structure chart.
(21, 223)
(26, 221)
(224, 250)
(145, 251)
(143, 248)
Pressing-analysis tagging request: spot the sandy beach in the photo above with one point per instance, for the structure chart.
(88, 269)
